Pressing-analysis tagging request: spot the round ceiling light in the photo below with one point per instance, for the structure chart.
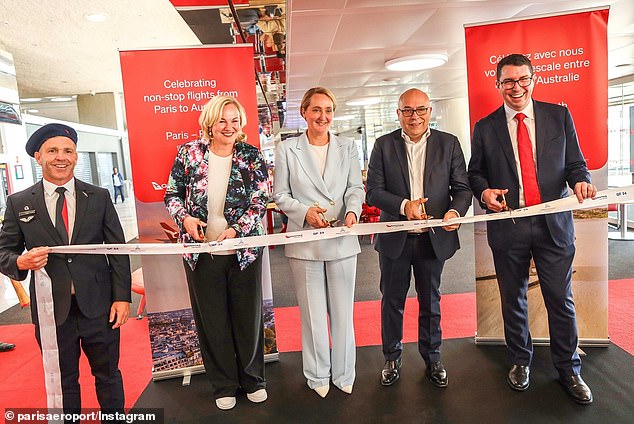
(96, 17)
(416, 62)
(363, 101)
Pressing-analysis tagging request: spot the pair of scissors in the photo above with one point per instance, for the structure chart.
(505, 206)
(333, 222)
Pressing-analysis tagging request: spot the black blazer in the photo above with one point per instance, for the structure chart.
(559, 162)
(98, 280)
(445, 184)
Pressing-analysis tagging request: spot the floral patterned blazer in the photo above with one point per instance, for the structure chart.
(247, 193)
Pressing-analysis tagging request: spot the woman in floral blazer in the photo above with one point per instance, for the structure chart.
(218, 189)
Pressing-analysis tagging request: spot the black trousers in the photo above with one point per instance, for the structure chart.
(100, 343)
(530, 237)
(227, 307)
(418, 254)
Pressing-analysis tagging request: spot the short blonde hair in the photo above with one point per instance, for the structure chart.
(212, 113)
(317, 90)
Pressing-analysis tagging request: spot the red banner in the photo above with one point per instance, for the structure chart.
(165, 91)
(569, 57)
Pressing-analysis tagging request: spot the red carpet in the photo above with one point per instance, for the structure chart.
(23, 375)
(621, 313)
(367, 321)
(23, 380)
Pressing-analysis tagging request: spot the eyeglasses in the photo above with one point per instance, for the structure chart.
(509, 84)
(420, 111)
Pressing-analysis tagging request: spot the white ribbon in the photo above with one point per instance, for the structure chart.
(48, 340)
(603, 198)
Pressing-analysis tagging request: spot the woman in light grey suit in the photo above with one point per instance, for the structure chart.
(318, 181)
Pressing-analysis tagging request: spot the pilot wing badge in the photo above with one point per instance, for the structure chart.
(27, 215)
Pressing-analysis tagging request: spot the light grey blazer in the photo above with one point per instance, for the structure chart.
(298, 185)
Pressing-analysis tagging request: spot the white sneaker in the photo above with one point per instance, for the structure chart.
(322, 391)
(258, 396)
(347, 389)
(225, 403)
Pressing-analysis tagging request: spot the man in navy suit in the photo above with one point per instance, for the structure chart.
(415, 172)
(528, 152)
(90, 294)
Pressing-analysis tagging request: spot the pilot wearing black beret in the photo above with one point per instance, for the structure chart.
(88, 296)
(49, 131)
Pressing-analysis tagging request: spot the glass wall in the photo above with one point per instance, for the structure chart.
(620, 153)
(97, 154)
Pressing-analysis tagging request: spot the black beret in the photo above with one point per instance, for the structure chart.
(49, 131)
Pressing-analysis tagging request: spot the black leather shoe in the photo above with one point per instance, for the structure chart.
(5, 347)
(518, 377)
(437, 374)
(577, 389)
(391, 372)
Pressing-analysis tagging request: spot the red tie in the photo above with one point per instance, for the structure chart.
(65, 214)
(527, 164)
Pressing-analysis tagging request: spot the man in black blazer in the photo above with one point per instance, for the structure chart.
(90, 293)
(496, 169)
(415, 172)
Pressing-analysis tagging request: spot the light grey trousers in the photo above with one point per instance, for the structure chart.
(325, 289)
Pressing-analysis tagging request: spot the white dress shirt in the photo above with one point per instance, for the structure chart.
(416, 152)
(529, 121)
(51, 196)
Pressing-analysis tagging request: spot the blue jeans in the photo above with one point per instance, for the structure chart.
(119, 190)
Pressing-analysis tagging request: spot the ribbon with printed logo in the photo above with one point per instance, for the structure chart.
(602, 199)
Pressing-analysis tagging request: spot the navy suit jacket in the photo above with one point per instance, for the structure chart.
(445, 184)
(98, 280)
(559, 163)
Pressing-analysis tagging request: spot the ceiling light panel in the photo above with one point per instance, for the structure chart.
(416, 62)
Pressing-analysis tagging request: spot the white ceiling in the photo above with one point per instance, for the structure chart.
(58, 52)
(341, 44)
